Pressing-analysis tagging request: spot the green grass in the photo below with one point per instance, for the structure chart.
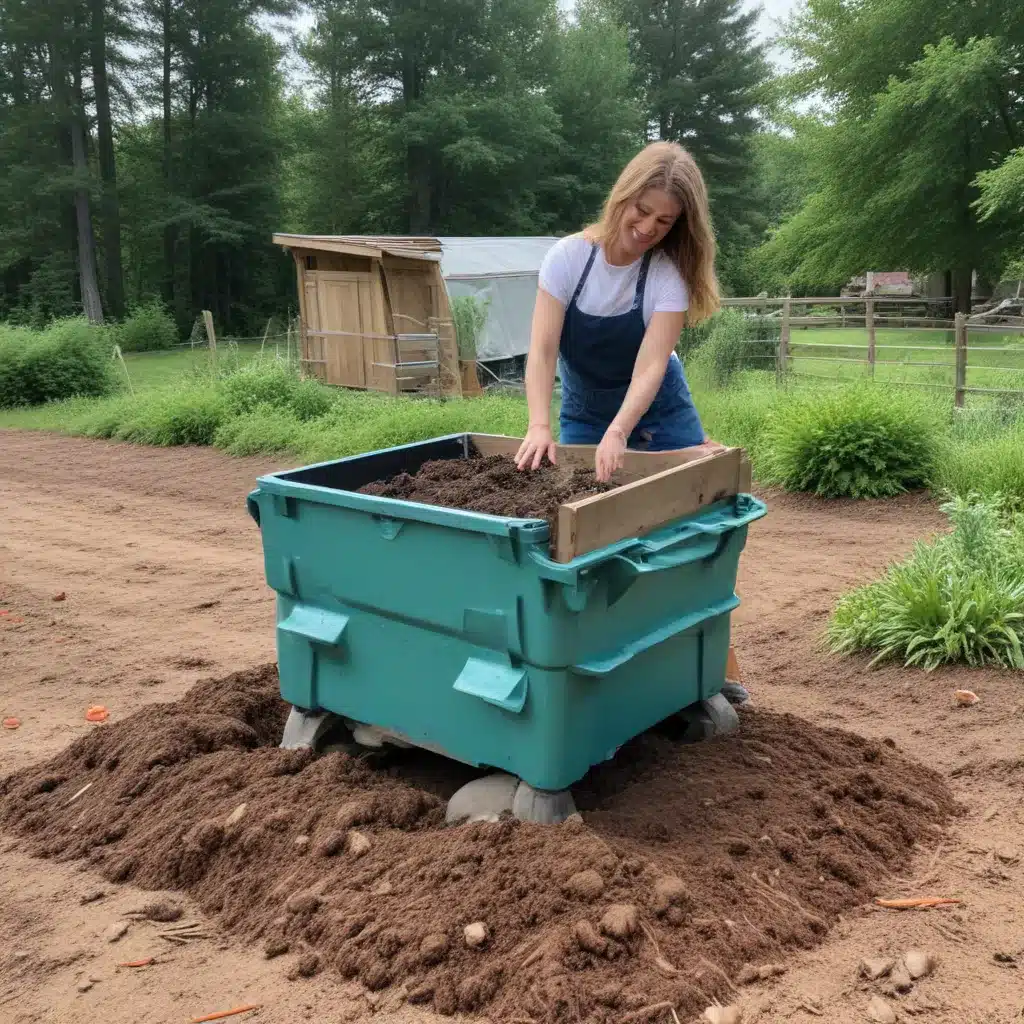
(958, 599)
(825, 352)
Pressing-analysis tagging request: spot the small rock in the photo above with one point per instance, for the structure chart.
(620, 921)
(421, 993)
(873, 969)
(92, 897)
(588, 939)
(302, 842)
(747, 975)
(308, 965)
(60, 597)
(587, 885)
(237, 814)
(879, 1010)
(771, 971)
(475, 934)
(918, 964)
(723, 1015)
(22, 954)
(383, 888)
(965, 698)
(669, 889)
(303, 902)
(84, 985)
(901, 980)
(1007, 855)
(275, 947)
(116, 931)
(358, 843)
(434, 948)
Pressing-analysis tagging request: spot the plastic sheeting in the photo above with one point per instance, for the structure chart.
(503, 273)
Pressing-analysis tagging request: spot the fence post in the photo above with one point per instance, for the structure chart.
(869, 320)
(210, 336)
(783, 360)
(960, 321)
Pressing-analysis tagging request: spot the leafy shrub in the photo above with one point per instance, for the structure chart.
(177, 416)
(992, 464)
(857, 441)
(266, 430)
(310, 399)
(269, 383)
(149, 328)
(957, 599)
(273, 384)
(734, 342)
(70, 358)
(470, 315)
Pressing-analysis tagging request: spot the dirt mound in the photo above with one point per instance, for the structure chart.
(692, 861)
(492, 484)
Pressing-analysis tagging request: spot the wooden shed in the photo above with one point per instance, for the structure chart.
(375, 314)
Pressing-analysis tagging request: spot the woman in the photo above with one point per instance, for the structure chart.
(610, 307)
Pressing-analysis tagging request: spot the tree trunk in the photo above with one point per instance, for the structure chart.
(170, 232)
(86, 241)
(962, 281)
(417, 167)
(111, 212)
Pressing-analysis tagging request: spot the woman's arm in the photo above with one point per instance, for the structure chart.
(545, 334)
(648, 372)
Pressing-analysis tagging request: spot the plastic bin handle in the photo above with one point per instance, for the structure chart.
(253, 505)
(598, 667)
(691, 542)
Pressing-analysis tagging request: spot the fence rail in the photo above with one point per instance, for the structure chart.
(790, 350)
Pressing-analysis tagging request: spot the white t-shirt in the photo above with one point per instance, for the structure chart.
(610, 290)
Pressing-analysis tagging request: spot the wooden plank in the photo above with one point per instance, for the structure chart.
(327, 244)
(638, 508)
(636, 465)
(960, 357)
(379, 349)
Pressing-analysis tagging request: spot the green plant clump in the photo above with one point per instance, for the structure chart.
(470, 315)
(149, 329)
(731, 342)
(857, 442)
(70, 358)
(958, 599)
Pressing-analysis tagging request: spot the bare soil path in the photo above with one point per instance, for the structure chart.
(162, 572)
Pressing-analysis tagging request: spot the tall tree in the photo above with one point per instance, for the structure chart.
(602, 121)
(700, 72)
(925, 97)
(460, 87)
(99, 28)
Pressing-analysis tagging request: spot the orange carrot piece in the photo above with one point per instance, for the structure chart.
(12, 723)
(918, 901)
(97, 713)
(139, 963)
(220, 1015)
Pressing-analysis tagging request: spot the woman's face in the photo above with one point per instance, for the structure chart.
(647, 220)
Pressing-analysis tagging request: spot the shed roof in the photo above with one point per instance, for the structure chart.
(462, 257)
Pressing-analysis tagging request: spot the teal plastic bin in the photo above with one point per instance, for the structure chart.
(458, 631)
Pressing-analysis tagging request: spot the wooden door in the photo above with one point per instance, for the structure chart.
(344, 304)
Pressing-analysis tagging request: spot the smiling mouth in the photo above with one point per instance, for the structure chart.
(642, 239)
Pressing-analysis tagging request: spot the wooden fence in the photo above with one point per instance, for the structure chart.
(871, 314)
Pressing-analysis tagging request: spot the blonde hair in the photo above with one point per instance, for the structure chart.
(690, 243)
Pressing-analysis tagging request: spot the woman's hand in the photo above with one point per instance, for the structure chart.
(537, 444)
(610, 454)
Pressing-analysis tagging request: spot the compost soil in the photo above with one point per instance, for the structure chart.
(714, 855)
(494, 485)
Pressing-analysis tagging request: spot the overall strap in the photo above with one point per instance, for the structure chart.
(641, 280)
(584, 275)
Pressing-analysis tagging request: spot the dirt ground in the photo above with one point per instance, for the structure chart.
(162, 573)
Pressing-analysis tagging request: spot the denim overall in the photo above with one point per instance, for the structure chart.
(596, 359)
